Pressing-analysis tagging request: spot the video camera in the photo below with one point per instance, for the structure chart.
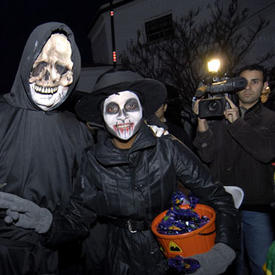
(214, 103)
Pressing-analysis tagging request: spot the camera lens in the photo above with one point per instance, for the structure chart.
(213, 105)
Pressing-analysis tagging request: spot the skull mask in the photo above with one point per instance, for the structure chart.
(52, 73)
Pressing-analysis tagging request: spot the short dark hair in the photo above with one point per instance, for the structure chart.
(254, 67)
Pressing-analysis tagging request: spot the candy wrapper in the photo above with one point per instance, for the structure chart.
(179, 220)
(182, 265)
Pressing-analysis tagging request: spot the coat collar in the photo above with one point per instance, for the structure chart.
(107, 154)
(255, 109)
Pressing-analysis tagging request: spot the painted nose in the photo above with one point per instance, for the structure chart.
(122, 115)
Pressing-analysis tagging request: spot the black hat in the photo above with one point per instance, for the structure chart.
(152, 93)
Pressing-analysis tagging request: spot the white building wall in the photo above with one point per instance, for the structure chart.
(100, 37)
(265, 42)
(132, 16)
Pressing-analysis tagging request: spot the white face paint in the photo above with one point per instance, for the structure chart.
(52, 72)
(122, 114)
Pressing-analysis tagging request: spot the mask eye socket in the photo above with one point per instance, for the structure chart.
(112, 108)
(39, 68)
(60, 69)
(131, 105)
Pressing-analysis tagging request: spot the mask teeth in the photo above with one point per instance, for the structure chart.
(125, 130)
(45, 90)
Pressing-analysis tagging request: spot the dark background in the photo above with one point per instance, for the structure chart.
(20, 17)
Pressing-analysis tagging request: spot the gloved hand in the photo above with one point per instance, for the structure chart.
(158, 131)
(25, 213)
(215, 261)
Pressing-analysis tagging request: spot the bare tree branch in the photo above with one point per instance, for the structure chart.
(180, 60)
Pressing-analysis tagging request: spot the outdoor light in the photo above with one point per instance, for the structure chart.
(114, 56)
(112, 13)
(214, 65)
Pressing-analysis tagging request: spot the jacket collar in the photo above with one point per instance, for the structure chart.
(107, 154)
(255, 109)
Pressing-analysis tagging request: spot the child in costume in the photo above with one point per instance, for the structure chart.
(133, 174)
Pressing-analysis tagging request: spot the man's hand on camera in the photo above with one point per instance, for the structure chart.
(196, 106)
(231, 114)
(202, 122)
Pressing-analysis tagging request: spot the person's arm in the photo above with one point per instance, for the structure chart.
(66, 223)
(70, 222)
(196, 177)
(73, 221)
(204, 141)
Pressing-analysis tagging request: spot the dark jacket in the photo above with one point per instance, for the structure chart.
(138, 184)
(241, 154)
(39, 157)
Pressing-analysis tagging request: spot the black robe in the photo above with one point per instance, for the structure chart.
(39, 157)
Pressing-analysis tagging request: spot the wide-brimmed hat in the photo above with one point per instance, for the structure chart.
(152, 93)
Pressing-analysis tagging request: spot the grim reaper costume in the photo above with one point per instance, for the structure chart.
(40, 144)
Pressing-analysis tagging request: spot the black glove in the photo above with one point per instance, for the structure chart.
(25, 213)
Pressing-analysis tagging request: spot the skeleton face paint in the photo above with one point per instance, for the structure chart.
(122, 114)
(52, 73)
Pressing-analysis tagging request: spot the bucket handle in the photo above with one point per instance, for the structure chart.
(206, 234)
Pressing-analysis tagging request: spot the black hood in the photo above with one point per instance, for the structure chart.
(20, 92)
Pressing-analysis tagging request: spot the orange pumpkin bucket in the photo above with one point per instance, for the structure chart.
(191, 243)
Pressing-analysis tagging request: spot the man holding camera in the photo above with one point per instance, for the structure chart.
(239, 149)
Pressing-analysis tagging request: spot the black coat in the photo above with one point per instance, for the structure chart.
(138, 183)
(241, 154)
(39, 157)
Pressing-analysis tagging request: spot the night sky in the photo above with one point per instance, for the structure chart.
(19, 18)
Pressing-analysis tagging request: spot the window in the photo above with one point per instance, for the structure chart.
(160, 28)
